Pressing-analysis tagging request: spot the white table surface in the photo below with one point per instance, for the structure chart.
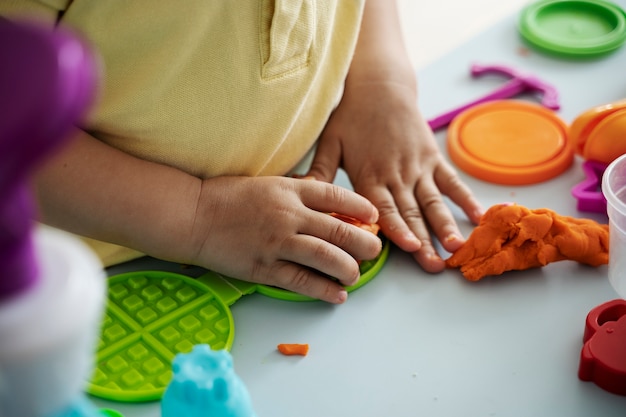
(413, 344)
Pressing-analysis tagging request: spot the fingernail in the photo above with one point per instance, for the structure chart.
(411, 236)
(452, 237)
(433, 256)
(375, 215)
(342, 296)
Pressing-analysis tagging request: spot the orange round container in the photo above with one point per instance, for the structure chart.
(599, 134)
(510, 142)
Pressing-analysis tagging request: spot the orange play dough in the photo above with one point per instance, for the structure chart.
(290, 349)
(512, 237)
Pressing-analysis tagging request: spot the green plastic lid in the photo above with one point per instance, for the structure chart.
(574, 28)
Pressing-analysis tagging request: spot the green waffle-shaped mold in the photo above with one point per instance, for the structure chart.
(150, 317)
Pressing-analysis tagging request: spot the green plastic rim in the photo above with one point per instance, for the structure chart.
(369, 269)
(106, 412)
(574, 28)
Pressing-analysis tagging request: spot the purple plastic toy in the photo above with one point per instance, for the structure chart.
(518, 84)
(46, 81)
(588, 192)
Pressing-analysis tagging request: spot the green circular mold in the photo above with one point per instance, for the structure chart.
(574, 28)
(369, 269)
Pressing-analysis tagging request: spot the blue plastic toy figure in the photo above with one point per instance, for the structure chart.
(205, 384)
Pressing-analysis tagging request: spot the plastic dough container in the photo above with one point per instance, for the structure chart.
(614, 189)
(510, 142)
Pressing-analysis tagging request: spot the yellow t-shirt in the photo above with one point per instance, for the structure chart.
(212, 87)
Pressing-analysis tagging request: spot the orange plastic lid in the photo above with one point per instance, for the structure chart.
(598, 133)
(510, 142)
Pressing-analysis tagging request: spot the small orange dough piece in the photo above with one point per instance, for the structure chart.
(370, 227)
(512, 237)
(291, 349)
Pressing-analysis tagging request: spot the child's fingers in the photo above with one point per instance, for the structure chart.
(319, 255)
(416, 216)
(428, 258)
(392, 223)
(451, 185)
(327, 198)
(438, 215)
(305, 281)
(405, 216)
(344, 238)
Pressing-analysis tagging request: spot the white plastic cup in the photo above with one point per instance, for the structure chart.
(48, 334)
(614, 189)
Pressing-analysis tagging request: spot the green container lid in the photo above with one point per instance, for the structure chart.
(574, 28)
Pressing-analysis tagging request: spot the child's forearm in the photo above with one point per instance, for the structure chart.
(380, 53)
(95, 190)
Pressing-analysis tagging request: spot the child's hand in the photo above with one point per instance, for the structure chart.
(390, 154)
(275, 230)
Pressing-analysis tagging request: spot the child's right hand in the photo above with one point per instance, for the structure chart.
(275, 230)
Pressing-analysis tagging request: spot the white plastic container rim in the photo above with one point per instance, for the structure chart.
(614, 190)
(615, 174)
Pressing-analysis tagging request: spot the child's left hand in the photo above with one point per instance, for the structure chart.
(379, 137)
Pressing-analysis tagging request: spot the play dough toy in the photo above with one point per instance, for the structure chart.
(587, 192)
(518, 83)
(602, 358)
(510, 142)
(204, 384)
(150, 317)
(597, 134)
(614, 189)
(512, 237)
(573, 28)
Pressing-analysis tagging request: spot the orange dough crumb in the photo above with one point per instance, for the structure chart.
(290, 349)
(370, 227)
(512, 237)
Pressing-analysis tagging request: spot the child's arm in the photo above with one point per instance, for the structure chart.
(390, 154)
(272, 230)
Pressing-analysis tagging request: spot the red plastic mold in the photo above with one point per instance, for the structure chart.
(603, 356)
